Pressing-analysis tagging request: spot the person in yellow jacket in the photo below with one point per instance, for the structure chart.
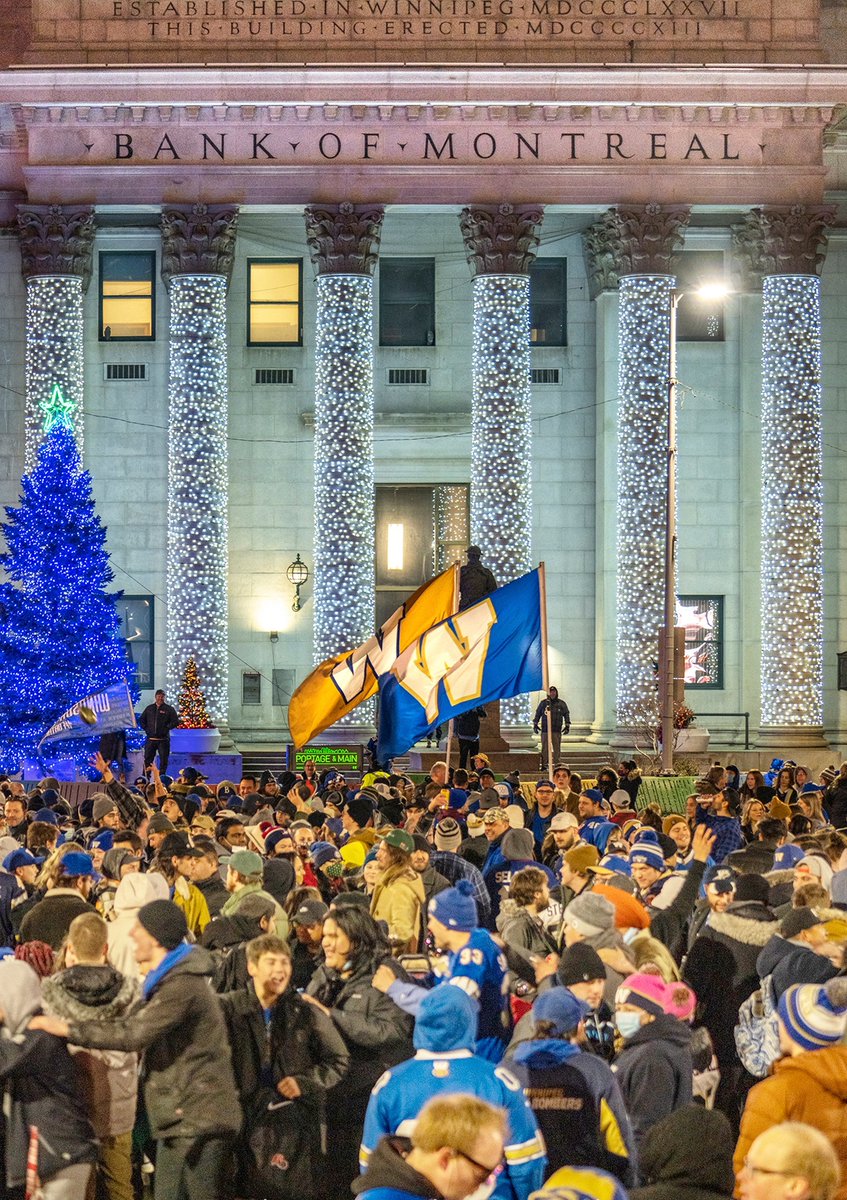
(398, 897)
(174, 862)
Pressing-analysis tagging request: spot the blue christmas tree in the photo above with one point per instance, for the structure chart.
(59, 628)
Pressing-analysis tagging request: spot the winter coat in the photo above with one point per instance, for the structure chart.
(398, 899)
(811, 1088)
(389, 1177)
(522, 932)
(721, 968)
(50, 919)
(41, 1082)
(378, 1035)
(791, 962)
(687, 1156)
(109, 1077)
(578, 1106)
(189, 1089)
(755, 859)
(300, 1042)
(654, 1071)
(213, 891)
(193, 905)
(433, 883)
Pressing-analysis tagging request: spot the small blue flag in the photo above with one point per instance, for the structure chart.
(487, 652)
(112, 709)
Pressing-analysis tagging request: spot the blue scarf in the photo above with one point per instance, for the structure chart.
(155, 977)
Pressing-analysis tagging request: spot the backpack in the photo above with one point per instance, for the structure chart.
(757, 1031)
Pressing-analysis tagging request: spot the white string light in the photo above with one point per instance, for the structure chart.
(643, 374)
(54, 353)
(792, 502)
(501, 439)
(197, 486)
(344, 473)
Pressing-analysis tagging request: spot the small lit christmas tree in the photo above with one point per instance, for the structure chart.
(59, 629)
(193, 713)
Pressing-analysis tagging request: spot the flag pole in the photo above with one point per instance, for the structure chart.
(449, 749)
(545, 667)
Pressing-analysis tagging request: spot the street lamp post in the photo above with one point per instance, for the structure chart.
(666, 676)
(715, 291)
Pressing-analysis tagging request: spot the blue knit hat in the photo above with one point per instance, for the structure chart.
(647, 854)
(815, 1016)
(594, 795)
(455, 907)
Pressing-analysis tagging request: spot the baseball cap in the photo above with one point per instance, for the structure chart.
(400, 840)
(19, 858)
(493, 815)
(76, 864)
(246, 862)
(562, 821)
(310, 912)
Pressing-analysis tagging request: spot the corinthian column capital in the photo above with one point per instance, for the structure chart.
(781, 240)
(501, 239)
(343, 239)
(198, 239)
(633, 240)
(56, 240)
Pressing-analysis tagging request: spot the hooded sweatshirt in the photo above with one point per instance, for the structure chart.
(444, 1062)
(41, 1083)
(109, 1077)
(655, 1072)
(687, 1156)
(133, 893)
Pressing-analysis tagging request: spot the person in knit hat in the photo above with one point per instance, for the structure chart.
(590, 918)
(654, 1068)
(475, 964)
(574, 1094)
(809, 1083)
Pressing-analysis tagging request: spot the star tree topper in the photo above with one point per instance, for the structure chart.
(57, 410)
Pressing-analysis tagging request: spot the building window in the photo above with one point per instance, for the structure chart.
(407, 302)
(702, 619)
(419, 532)
(548, 304)
(127, 296)
(135, 614)
(698, 319)
(251, 687)
(274, 302)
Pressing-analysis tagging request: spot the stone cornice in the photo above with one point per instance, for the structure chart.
(802, 86)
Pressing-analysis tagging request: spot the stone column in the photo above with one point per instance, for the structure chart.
(343, 243)
(56, 243)
(198, 245)
(500, 244)
(638, 245)
(785, 247)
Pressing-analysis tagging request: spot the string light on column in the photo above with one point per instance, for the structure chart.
(792, 502)
(344, 475)
(54, 353)
(501, 449)
(197, 486)
(643, 373)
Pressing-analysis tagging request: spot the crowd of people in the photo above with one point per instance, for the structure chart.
(312, 987)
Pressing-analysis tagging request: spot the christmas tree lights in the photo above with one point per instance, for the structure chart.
(197, 486)
(643, 377)
(59, 634)
(501, 436)
(193, 713)
(344, 475)
(792, 502)
(54, 353)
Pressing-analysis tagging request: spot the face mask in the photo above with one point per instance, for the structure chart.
(628, 1024)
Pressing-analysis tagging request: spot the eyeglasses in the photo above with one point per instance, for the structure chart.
(752, 1169)
(487, 1174)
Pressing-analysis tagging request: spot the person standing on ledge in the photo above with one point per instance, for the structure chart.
(556, 711)
(157, 721)
(475, 581)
